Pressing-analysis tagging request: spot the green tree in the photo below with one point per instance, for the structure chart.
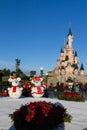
(6, 72)
(32, 73)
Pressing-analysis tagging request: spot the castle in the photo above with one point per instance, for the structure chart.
(68, 69)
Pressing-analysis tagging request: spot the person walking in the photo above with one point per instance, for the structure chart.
(51, 91)
(77, 88)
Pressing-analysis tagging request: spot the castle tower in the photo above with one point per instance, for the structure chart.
(82, 71)
(70, 48)
(76, 58)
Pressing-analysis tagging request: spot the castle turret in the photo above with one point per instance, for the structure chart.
(82, 72)
(76, 58)
(70, 48)
(61, 52)
(70, 38)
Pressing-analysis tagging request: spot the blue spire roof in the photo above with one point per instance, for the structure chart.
(70, 32)
(75, 53)
(81, 68)
(61, 50)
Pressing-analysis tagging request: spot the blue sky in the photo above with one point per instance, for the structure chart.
(34, 31)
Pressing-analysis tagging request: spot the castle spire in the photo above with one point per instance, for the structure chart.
(70, 32)
(61, 51)
(82, 72)
(70, 37)
(81, 68)
(76, 58)
(76, 53)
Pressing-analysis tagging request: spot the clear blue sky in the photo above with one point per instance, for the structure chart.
(34, 31)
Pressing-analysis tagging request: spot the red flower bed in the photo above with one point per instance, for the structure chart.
(39, 116)
(72, 96)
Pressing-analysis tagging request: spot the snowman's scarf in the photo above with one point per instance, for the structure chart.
(14, 88)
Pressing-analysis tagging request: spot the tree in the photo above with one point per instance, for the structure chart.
(6, 72)
(4, 75)
(32, 73)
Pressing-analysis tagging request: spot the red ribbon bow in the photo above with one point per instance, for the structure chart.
(36, 78)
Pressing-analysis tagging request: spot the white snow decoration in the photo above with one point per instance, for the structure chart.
(15, 91)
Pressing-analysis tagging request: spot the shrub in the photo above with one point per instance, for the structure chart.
(72, 96)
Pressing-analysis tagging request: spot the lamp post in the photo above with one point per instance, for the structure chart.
(41, 71)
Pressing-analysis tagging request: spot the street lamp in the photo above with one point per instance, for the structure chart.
(41, 71)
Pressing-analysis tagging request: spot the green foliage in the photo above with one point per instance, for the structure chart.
(0, 94)
(5, 72)
(67, 118)
(72, 96)
(32, 73)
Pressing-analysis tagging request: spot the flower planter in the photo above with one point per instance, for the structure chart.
(39, 116)
(72, 96)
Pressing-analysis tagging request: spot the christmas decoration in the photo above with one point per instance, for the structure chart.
(15, 91)
(37, 89)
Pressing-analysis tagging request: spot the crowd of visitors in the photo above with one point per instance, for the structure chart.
(76, 87)
(55, 91)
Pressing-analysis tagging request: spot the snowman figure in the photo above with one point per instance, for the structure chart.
(15, 91)
(37, 90)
